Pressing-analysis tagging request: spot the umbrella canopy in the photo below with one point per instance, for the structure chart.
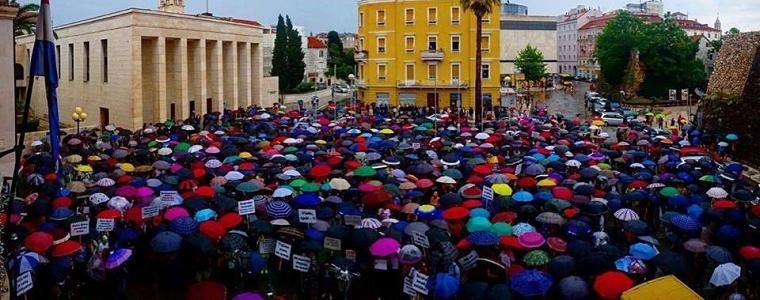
(611, 284)
(384, 247)
(536, 258)
(166, 242)
(444, 286)
(118, 257)
(725, 274)
(530, 283)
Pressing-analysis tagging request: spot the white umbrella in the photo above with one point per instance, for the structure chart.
(165, 151)
(105, 182)
(482, 136)
(339, 184)
(655, 185)
(119, 203)
(98, 198)
(626, 214)
(282, 192)
(725, 274)
(370, 223)
(187, 127)
(573, 163)
(194, 148)
(446, 179)
(717, 192)
(292, 173)
(234, 175)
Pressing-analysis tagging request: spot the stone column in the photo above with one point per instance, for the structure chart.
(219, 97)
(234, 80)
(7, 84)
(245, 96)
(200, 103)
(137, 84)
(183, 95)
(257, 68)
(160, 61)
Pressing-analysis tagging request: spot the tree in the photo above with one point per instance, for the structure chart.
(279, 54)
(479, 8)
(295, 55)
(333, 39)
(614, 45)
(26, 19)
(531, 63)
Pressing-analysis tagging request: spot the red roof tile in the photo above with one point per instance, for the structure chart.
(316, 43)
(694, 25)
(246, 22)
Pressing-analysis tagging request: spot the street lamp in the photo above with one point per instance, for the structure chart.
(78, 116)
(351, 78)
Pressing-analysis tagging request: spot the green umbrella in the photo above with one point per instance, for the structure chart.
(365, 171)
(247, 187)
(669, 191)
(420, 128)
(536, 258)
(501, 228)
(478, 224)
(453, 173)
(310, 187)
(183, 147)
(290, 149)
(667, 216)
(708, 178)
(298, 183)
(392, 188)
(556, 205)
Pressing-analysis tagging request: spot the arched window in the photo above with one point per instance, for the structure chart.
(18, 72)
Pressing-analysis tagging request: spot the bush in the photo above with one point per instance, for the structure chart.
(304, 87)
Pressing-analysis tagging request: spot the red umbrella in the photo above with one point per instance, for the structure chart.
(109, 214)
(455, 213)
(483, 169)
(504, 216)
(207, 290)
(475, 179)
(472, 203)
(377, 198)
(188, 184)
(724, 204)
(526, 182)
(424, 183)
(562, 192)
(68, 247)
(212, 230)
(747, 252)
(320, 171)
(205, 191)
(638, 184)
(511, 242)
(230, 220)
(134, 214)
(38, 242)
(611, 284)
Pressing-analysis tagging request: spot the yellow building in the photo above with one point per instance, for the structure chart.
(412, 50)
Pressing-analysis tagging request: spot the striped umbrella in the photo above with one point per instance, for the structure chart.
(26, 261)
(278, 209)
(626, 214)
(371, 223)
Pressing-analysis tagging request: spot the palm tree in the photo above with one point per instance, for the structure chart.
(26, 19)
(480, 8)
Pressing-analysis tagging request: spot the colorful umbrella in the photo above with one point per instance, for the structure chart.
(531, 283)
(118, 257)
(536, 258)
(384, 247)
(611, 284)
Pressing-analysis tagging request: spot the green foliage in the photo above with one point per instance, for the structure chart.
(531, 63)
(666, 52)
(26, 19)
(479, 8)
(333, 39)
(279, 54)
(339, 61)
(304, 87)
(287, 56)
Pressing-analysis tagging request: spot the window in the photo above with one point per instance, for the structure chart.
(455, 69)
(361, 71)
(86, 50)
(361, 19)
(361, 44)
(485, 71)
(381, 45)
(409, 72)
(455, 43)
(432, 72)
(58, 59)
(104, 51)
(321, 53)
(432, 42)
(409, 42)
(432, 15)
(71, 62)
(380, 17)
(485, 43)
(455, 15)
(486, 19)
(382, 70)
(409, 16)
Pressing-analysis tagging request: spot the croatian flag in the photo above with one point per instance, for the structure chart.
(43, 64)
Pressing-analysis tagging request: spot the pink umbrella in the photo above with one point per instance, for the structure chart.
(424, 183)
(384, 247)
(126, 191)
(366, 187)
(144, 192)
(531, 240)
(175, 167)
(175, 212)
(218, 180)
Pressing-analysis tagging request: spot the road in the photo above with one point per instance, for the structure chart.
(571, 104)
(322, 100)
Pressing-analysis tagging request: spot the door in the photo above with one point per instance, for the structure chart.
(432, 100)
(172, 111)
(192, 108)
(209, 105)
(105, 117)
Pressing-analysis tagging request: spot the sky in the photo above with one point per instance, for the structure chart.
(341, 15)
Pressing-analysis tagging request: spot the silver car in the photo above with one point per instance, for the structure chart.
(612, 118)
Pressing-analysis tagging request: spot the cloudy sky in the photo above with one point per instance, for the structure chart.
(340, 15)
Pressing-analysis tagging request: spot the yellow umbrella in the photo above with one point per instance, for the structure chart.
(604, 166)
(597, 122)
(245, 155)
(546, 183)
(661, 288)
(84, 168)
(502, 189)
(73, 159)
(127, 167)
(386, 131)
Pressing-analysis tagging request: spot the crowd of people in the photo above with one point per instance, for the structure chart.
(264, 203)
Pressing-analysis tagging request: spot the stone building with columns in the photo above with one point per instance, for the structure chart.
(139, 66)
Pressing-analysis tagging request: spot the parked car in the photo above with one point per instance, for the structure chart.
(342, 88)
(590, 94)
(612, 118)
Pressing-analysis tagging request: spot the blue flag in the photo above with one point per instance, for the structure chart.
(43, 64)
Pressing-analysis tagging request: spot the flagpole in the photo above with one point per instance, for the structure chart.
(17, 161)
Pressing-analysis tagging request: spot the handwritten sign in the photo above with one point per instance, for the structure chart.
(169, 197)
(266, 246)
(105, 225)
(80, 228)
(381, 264)
(420, 239)
(351, 254)
(419, 282)
(246, 207)
(301, 263)
(149, 211)
(24, 283)
(487, 195)
(332, 244)
(468, 261)
(307, 216)
(282, 250)
(409, 286)
(352, 220)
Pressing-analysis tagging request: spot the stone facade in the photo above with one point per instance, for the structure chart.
(519, 31)
(739, 57)
(567, 37)
(315, 60)
(141, 66)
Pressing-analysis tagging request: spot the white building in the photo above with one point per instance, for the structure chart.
(315, 59)
(519, 31)
(651, 7)
(139, 66)
(267, 41)
(694, 28)
(567, 37)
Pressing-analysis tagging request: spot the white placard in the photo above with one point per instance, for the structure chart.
(351, 254)
(301, 263)
(150, 211)
(419, 282)
(420, 239)
(80, 228)
(246, 207)
(266, 246)
(352, 220)
(332, 243)
(409, 286)
(307, 216)
(381, 264)
(487, 195)
(105, 225)
(672, 95)
(282, 250)
(468, 261)
(24, 283)
(168, 196)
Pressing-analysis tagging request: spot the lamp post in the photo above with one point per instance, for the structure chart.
(351, 78)
(78, 116)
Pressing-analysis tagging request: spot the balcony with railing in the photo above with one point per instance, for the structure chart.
(441, 84)
(432, 55)
(361, 56)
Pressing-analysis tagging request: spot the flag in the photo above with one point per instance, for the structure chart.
(43, 64)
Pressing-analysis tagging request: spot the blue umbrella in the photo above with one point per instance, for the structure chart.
(573, 288)
(718, 254)
(256, 263)
(483, 238)
(643, 251)
(534, 170)
(562, 265)
(734, 168)
(531, 283)
(732, 137)
(166, 242)
(307, 200)
(278, 209)
(444, 286)
(26, 261)
(183, 226)
(685, 222)
(522, 196)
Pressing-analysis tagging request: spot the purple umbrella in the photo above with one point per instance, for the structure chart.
(384, 247)
(126, 191)
(144, 192)
(118, 257)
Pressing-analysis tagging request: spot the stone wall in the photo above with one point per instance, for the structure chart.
(734, 64)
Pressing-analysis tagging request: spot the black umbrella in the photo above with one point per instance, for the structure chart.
(562, 266)
(595, 263)
(673, 263)
(637, 227)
